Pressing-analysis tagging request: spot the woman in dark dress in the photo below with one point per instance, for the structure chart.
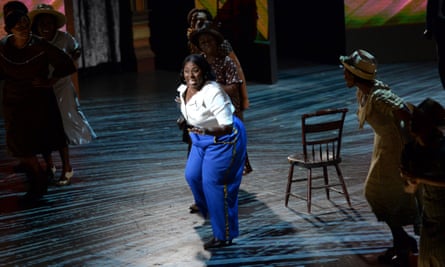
(423, 168)
(32, 119)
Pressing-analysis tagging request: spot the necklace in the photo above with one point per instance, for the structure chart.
(18, 44)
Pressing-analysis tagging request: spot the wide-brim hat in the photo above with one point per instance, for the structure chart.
(191, 13)
(47, 9)
(194, 36)
(361, 63)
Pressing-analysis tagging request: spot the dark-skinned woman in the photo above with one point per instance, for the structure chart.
(215, 164)
(32, 118)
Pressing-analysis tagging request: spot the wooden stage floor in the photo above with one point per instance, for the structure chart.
(128, 202)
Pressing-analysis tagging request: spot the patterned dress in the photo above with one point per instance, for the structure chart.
(384, 188)
(226, 73)
(32, 118)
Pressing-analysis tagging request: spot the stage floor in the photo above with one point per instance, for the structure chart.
(128, 201)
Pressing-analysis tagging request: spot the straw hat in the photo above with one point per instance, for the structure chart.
(48, 9)
(194, 37)
(193, 11)
(361, 63)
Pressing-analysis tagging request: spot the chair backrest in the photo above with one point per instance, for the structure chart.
(322, 134)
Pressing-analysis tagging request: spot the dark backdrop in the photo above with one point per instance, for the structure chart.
(310, 30)
(304, 30)
(168, 27)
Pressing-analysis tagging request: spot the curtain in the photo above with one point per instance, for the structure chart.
(104, 31)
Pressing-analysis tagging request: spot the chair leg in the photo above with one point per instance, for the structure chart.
(343, 184)
(326, 181)
(289, 184)
(309, 190)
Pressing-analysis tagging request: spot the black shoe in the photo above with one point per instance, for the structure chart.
(215, 243)
(19, 168)
(50, 174)
(35, 193)
(400, 260)
(412, 245)
(400, 256)
(247, 169)
(386, 258)
(194, 208)
(403, 252)
(32, 196)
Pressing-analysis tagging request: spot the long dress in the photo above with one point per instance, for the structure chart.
(226, 73)
(428, 162)
(384, 188)
(432, 236)
(75, 123)
(32, 119)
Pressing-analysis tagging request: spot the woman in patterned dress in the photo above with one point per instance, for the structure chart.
(384, 190)
(200, 19)
(208, 40)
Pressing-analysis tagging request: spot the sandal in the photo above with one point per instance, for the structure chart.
(66, 178)
(387, 257)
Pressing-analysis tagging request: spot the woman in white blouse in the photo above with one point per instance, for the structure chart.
(215, 165)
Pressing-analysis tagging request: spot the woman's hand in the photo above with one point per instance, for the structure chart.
(76, 54)
(43, 83)
(215, 131)
(411, 183)
(198, 130)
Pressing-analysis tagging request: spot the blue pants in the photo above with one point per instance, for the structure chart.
(214, 171)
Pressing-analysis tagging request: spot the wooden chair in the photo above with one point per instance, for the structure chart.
(321, 143)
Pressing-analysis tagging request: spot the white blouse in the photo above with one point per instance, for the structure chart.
(209, 107)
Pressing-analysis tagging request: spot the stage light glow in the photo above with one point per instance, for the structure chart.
(31, 4)
(377, 13)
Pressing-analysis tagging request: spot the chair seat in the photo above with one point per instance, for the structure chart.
(298, 159)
